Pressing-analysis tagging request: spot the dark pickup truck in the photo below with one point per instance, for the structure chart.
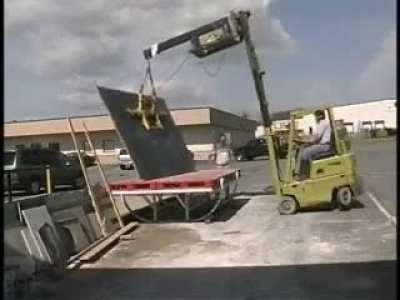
(27, 169)
(258, 147)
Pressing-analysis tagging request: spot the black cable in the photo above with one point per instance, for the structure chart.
(218, 69)
(177, 70)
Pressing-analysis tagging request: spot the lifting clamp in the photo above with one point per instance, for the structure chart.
(147, 110)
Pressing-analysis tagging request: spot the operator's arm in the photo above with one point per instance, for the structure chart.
(315, 139)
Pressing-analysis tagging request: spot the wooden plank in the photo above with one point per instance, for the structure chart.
(108, 242)
(103, 176)
(89, 188)
(127, 237)
(74, 261)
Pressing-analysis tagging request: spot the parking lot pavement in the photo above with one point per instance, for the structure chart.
(376, 162)
(256, 235)
(254, 254)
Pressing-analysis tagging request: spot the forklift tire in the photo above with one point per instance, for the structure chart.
(344, 198)
(288, 206)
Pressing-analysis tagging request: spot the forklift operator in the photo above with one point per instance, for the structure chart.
(319, 144)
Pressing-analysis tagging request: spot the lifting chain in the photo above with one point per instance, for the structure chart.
(146, 110)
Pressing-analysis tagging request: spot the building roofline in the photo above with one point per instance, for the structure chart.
(277, 115)
(56, 118)
(106, 114)
(362, 102)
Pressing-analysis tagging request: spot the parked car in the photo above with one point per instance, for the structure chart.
(258, 147)
(125, 161)
(27, 168)
(253, 148)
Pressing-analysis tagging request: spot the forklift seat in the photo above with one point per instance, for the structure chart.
(326, 154)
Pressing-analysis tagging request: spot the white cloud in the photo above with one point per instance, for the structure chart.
(378, 79)
(95, 39)
(181, 93)
(17, 14)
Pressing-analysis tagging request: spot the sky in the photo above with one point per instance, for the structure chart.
(314, 52)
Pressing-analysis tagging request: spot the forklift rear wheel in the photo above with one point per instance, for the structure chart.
(344, 198)
(288, 206)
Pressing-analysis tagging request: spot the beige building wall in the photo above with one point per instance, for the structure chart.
(200, 139)
(355, 114)
(373, 111)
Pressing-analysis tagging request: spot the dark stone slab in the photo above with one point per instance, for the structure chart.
(155, 153)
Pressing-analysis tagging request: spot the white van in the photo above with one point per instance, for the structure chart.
(125, 161)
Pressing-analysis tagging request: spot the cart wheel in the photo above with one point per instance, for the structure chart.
(344, 198)
(288, 206)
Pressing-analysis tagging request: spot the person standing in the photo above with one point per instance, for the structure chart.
(223, 152)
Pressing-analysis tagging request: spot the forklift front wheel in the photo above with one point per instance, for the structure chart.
(288, 206)
(344, 198)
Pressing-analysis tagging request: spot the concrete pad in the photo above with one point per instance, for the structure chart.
(258, 236)
(155, 153)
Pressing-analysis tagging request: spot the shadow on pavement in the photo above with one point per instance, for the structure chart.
(330, 207)
(170, 211)
(229, 210)
(364, 280)
(269, 190)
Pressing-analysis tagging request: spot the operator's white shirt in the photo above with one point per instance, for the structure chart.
(323, 132)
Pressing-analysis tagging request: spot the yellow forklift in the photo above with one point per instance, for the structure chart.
(333, 177)
(332, 181)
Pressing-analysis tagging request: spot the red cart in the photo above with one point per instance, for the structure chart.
(218, 185)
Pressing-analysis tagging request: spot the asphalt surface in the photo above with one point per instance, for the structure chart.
(249, 251)
(376, 164)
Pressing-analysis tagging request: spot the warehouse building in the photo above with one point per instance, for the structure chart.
(200, 127)
(358, 118)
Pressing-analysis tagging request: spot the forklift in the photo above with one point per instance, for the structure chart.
(332, 177)
(332, 180)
